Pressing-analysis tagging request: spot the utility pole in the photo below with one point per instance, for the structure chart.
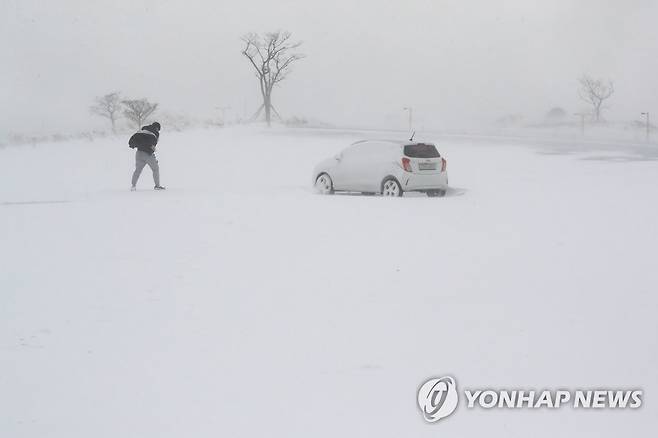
(411, 117)
(582, 122)
(648, 125)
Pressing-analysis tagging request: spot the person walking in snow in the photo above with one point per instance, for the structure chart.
(145, 141)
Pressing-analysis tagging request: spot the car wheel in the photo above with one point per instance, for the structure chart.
(436, 193)
(391, 188)
(324, 185)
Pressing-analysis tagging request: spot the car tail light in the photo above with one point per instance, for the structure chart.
(406, 164)
(444, 164)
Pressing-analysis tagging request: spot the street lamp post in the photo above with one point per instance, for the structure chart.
(648, 125)
(411, 117)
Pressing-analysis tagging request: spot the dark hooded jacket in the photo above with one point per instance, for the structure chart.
(145, 139)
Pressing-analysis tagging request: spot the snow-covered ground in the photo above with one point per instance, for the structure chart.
(239, 303)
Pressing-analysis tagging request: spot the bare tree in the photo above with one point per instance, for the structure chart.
(108, 106)
(138, 110)
(595, 92)
(271, 55)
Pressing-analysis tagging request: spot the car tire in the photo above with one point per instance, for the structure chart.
(324, 185)
(436, 193)
(391, 188)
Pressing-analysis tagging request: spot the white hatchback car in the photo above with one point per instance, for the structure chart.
(387, 167)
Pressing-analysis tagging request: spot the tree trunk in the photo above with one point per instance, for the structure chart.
(268, 110)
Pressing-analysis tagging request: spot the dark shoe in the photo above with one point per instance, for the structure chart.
(159, 188)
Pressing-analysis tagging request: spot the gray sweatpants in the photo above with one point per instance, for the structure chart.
(141, 160)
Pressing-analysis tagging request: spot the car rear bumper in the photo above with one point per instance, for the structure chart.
(414, 181)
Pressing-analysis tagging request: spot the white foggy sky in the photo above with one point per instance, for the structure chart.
(459, 63)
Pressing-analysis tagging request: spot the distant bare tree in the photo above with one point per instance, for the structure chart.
(108, 106)
(595, 92)
(271, 55)
(138, 110)
(555, 116)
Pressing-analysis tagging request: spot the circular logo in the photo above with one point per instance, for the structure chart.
(437, 398)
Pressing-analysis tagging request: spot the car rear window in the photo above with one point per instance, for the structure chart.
(421, 151)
